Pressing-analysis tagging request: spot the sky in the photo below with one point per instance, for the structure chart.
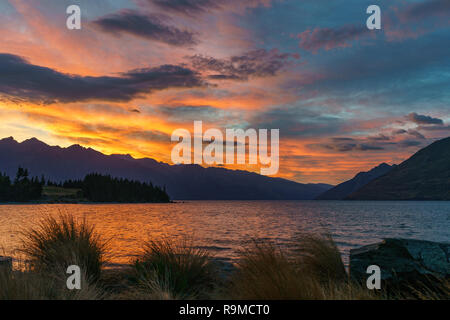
(344, 97)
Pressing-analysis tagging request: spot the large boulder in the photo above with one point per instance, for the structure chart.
(402, 261)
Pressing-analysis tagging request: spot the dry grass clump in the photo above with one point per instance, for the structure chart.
(48, 249)
(312, 271)
(427, 288)
(320, 257)
(23, 286)
(264, 272)
(174, 270)
(56, 243)
(438, 292)
(30, 285)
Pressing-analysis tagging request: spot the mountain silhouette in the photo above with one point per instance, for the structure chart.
(424, 176)
(346, 188)
(182, 182)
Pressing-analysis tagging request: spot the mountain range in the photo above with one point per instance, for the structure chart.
(346, 188)
(424, 176)
(182, 182)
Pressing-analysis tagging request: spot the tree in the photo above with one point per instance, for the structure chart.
(5, 187)
(22, 190)
(104, 188)
(21, 175)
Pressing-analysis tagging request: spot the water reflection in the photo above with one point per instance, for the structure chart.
(224, 226)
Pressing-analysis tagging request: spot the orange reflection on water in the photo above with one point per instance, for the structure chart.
(224, 227)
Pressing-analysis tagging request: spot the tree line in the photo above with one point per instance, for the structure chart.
(104, 188)
(94, 187)
(22, 189)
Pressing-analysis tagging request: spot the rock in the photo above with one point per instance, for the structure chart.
(402, 261)
(5, 263)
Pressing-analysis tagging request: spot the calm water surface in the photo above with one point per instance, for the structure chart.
(224, 226)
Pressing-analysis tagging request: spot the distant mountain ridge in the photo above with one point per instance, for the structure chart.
(346, 188)
(424, 176)
(183, 182)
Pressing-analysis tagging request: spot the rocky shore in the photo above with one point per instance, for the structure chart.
(403, 263)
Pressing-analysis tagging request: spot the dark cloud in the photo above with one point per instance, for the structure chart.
(338, 140)
(188, 7)
(435, 128)
(399, 131)
(149, 135)
(346, 146)
(422, 119)
(425, 9)
(196, 7)
(146, 26)
(328, 39)
(22, 81)
(367, 147)
(411, 132)
(416, 134)
(379, 137)
(410, 143)
(371, 143)
(257, 63)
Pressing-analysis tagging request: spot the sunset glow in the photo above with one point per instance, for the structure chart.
(345, 100)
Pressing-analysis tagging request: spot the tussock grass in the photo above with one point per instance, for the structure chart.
(311, 271)
(264, 272)
(30, 285)
(439, 292)
(429, 288)
(23, 286)
(319, 256)
(175, 270)
(58, 242)
(47, 250)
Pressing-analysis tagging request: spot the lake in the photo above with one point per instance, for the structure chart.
(225, 226)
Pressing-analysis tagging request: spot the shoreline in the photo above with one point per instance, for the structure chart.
(40, 202)
(79, 202)
(409, 275)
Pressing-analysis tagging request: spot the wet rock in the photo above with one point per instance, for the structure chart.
(402, 261)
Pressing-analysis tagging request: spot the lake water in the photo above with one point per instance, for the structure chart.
(225, 226)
